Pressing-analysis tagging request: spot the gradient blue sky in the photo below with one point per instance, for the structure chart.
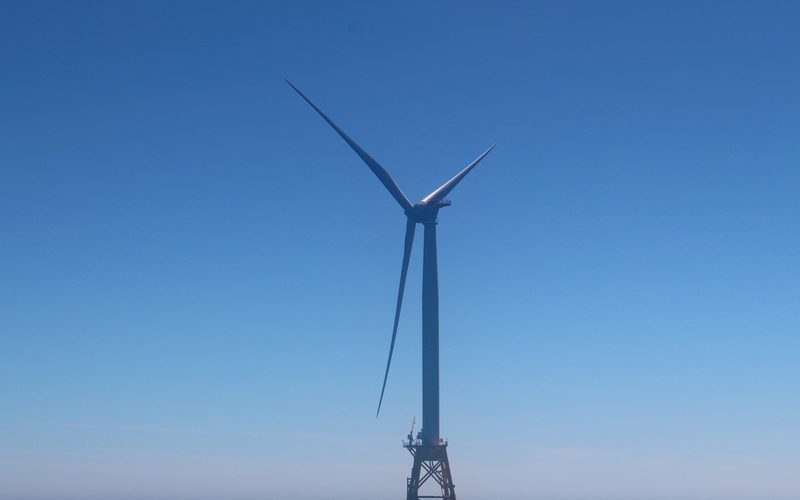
(198, 276)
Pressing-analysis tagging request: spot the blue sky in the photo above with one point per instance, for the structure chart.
(198, 275)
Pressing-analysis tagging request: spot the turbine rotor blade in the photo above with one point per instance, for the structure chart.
(448, 186)
(376, 168)
(411, 227)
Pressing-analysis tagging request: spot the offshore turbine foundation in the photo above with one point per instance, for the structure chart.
(430, 463)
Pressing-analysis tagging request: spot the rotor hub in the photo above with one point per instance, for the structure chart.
(425, 212)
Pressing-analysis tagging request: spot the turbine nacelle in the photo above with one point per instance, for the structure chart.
(425, 212)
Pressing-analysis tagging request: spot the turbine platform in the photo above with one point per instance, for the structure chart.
(430, 463)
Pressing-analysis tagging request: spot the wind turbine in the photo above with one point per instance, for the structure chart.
(429, 451)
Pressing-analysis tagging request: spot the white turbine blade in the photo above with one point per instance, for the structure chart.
(448, 186)
(411, 226)
(376, 168)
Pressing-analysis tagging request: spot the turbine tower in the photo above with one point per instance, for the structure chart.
(428, 449)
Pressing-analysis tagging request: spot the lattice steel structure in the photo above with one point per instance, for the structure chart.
(430, 463)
